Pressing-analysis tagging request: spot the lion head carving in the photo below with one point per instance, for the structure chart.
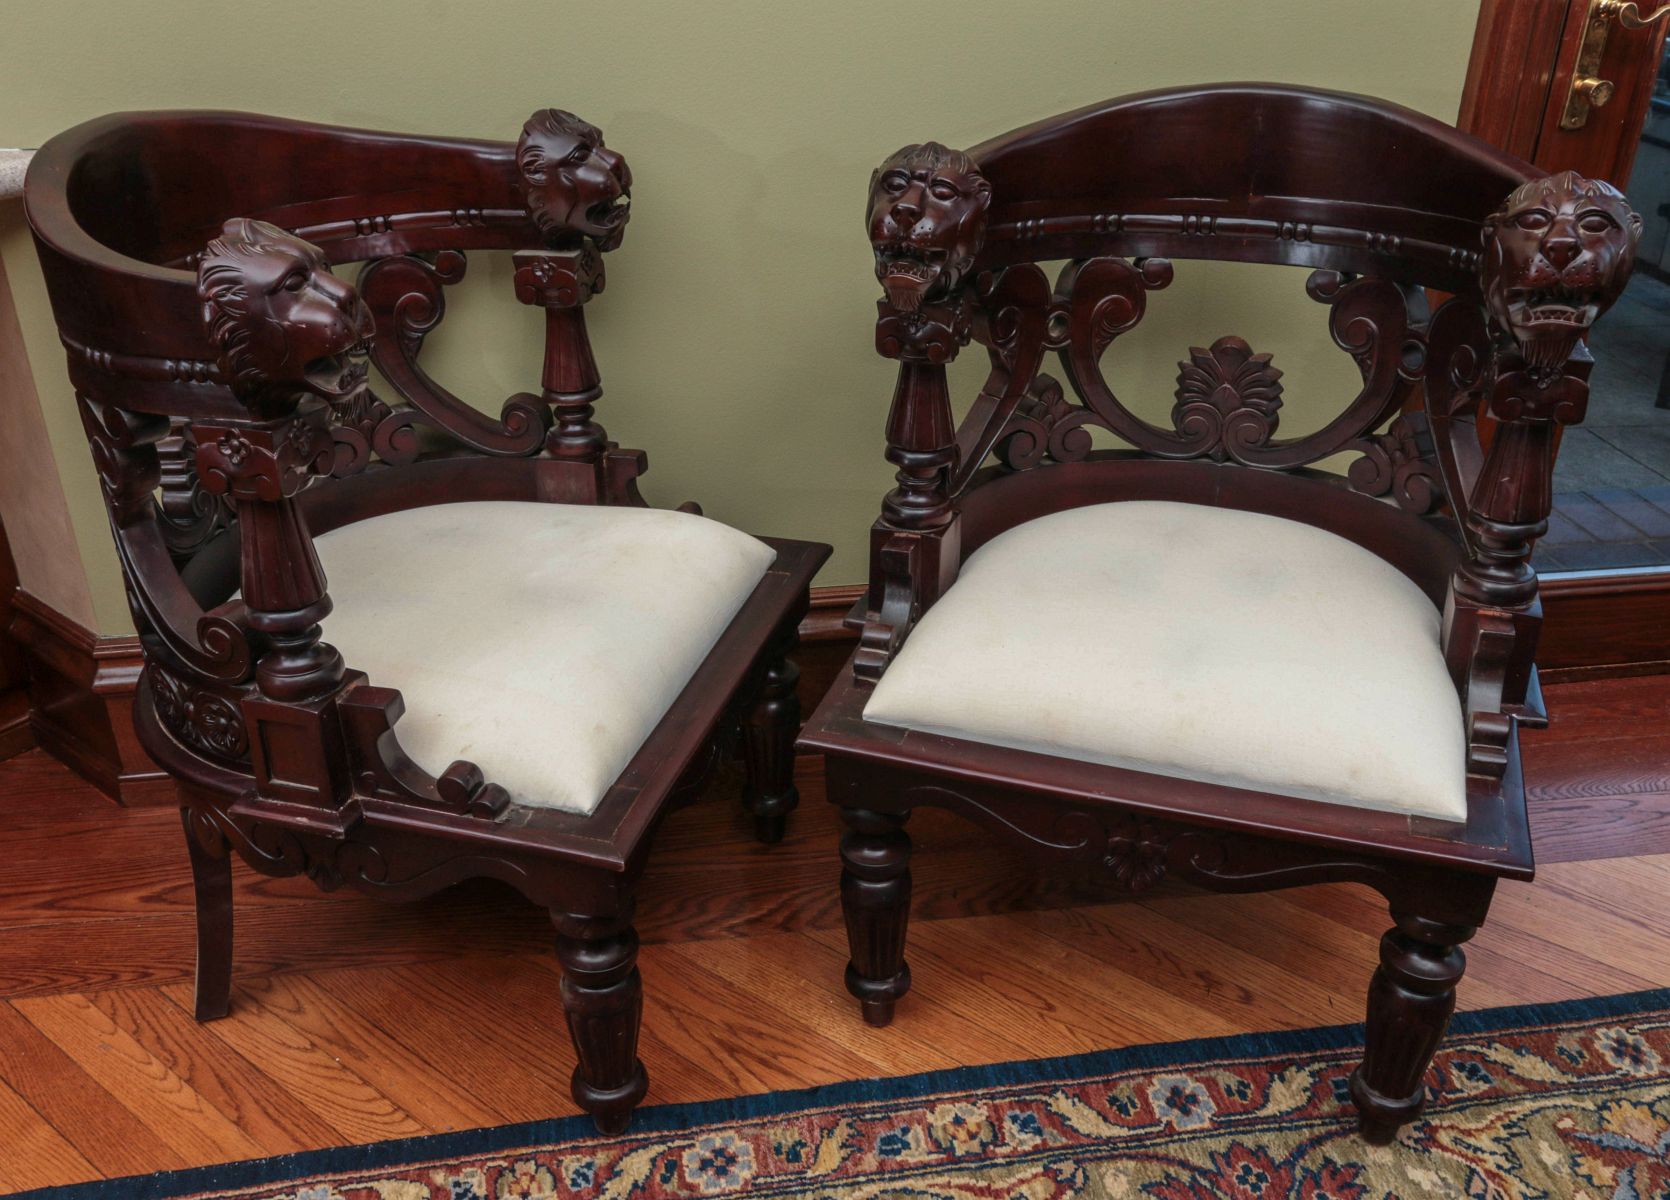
(1556, 255)
(280, 321)
(575, 186)
(927, 221)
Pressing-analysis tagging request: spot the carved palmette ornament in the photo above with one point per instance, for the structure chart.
(1227, 395)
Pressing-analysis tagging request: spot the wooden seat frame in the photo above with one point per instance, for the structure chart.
(1383, 204)
(217, 364)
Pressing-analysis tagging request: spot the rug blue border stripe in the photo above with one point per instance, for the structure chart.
(663, 1118)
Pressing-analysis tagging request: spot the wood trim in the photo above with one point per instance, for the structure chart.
(15, 735)
(81, 689)
(1511, 71)
(1604, 625)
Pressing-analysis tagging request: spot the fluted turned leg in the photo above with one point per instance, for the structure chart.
(603, 998)
(1409, 1006)
(768, 733)
(875, 897)
(211, 877)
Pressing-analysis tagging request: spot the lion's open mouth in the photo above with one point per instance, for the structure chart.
(606, 214)
(339, 374)
(907, 271)
(1562, 307)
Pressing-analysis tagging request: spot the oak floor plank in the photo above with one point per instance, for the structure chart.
(269, 1114)
(154, 1093)
(298, 1064)
(99, 1126)
(434, 1100)
(35, 1154)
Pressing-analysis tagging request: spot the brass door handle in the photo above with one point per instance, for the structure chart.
(1588, 89)
(1629, 13)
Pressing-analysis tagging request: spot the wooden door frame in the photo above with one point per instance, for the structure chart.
(1523, 55)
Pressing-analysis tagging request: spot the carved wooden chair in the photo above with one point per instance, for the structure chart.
(1197, 656)
(593, 655)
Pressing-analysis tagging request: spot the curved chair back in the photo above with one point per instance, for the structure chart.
(1459, 279)
(223, 371)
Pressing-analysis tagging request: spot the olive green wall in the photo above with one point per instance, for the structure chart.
(735, 336)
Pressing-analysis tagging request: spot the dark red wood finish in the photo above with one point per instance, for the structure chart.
(1383, 204)
(221, 369)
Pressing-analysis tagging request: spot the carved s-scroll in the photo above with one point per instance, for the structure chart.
(406, 299)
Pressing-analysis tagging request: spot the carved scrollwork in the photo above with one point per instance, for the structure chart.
(1134, 852)
(1042, 425)
(1228, 398)
(197, 716)
(1399, 463)
(406, 298)
(188, 512)
(275, 850)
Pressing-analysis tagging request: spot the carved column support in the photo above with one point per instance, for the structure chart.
(875, 899)
(560, 282)
(921, 434)
(260, 466)
(921, 441)
(1409, 1004)
(1514, 495)
(603, 1000)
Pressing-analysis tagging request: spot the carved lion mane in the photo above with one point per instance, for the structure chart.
(575, 186)
(280, 321)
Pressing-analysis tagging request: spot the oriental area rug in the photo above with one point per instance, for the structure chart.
(1544, 1101)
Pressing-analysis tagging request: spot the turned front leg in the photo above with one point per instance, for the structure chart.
(211, 878)
(875, 898)
(768, 733)
(603, 999)
(1409, 1004)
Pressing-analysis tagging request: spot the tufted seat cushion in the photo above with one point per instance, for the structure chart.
(542, 642)
(1196, 642)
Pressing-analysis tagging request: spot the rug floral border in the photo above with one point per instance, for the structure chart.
(1253, 1114)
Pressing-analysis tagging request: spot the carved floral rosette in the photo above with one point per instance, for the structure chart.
(199, 717)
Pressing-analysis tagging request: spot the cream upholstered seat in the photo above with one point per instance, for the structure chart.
(1196, 642)
(542, 642)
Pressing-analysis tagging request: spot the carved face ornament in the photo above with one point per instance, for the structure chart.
(927, 222)
(575, 186)
(280, 320)
(1555, 257)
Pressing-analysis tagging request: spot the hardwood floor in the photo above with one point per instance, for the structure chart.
(355, 1020)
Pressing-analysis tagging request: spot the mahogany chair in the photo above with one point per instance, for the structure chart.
(595, 656)
(1181, 650)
